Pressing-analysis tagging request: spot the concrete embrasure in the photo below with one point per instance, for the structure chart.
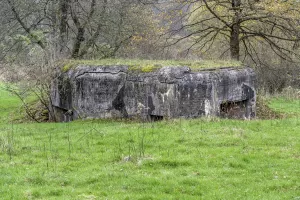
(167, 92)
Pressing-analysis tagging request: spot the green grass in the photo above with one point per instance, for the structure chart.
(176, 159)
(285, 105)
(9, 105)
(150, 65)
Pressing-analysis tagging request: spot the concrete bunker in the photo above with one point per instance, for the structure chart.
(119, 91)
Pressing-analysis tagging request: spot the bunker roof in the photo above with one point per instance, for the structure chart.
(152, 65)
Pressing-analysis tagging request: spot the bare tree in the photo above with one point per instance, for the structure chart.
(243, 24)
(75, 29)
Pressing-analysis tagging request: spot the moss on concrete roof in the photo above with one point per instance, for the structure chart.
(151, 65)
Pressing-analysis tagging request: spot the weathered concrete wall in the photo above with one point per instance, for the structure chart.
(169, 92)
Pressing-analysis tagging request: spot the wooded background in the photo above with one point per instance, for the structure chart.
(36, 34)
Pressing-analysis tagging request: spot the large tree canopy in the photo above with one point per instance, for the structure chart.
(243, 24)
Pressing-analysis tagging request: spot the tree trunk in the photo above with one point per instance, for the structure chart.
(63, 26)
(78, 41)
(235, 31)
(234, 42)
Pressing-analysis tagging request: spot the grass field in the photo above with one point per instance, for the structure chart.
(176, 159)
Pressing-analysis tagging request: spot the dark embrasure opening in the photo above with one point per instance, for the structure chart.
(156, 118)
(233, 109)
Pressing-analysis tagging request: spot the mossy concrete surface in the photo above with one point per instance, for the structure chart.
(152, 65)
